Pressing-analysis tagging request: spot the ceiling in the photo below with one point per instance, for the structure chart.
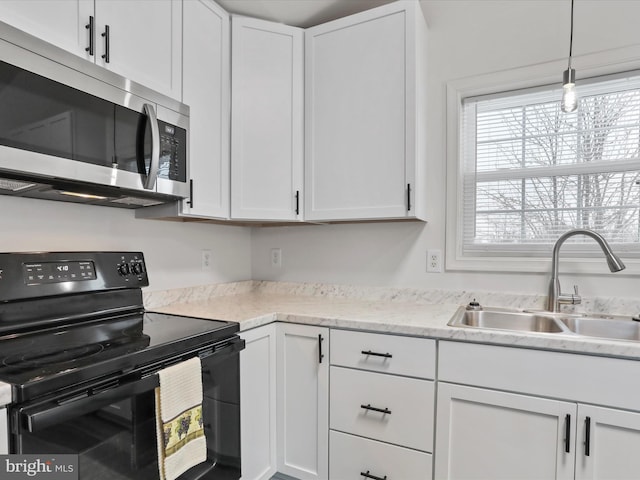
(299, 13)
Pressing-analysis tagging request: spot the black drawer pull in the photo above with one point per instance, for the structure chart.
(567, 433)
(372, 477)
(374, 409)
(320, 354)
(376, 354)
(587, 437)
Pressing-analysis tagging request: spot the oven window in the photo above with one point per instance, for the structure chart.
(116, 442)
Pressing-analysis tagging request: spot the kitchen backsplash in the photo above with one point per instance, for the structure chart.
(602, 305)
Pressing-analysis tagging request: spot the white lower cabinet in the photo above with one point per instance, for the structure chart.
(608, 444)
(4, 432)
(356, 458)
(258, 403)
(303, 401)
(382, 404)
(483, 432)
(388, 408)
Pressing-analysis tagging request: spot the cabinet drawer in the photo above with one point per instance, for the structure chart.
(409, 403)
(410, 356)
(351, 456)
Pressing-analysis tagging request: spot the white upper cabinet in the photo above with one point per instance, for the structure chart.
(267, 120)
(206, 84)
(64, 23)
(364, 115)
(143, 43)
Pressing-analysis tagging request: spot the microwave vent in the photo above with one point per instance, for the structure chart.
(14, 185)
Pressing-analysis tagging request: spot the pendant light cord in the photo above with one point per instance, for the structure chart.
(571, 36)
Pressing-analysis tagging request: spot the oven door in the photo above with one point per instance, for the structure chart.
(113, 428)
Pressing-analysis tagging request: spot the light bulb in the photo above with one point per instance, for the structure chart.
(569, 95)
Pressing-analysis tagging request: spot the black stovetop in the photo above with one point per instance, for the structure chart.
(68, 319)
(41, 362)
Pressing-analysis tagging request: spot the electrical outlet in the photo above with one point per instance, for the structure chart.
(434, 261)
(207, 259)
(276, 257)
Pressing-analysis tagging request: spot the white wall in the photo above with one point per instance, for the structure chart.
(172, 250)
(466, 38)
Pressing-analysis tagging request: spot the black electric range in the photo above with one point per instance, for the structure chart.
(75, 337)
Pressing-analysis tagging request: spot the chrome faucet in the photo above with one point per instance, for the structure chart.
(555, 296)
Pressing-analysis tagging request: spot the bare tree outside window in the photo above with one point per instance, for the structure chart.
(540, 172)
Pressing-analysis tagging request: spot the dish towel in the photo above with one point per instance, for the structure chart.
(180, 431)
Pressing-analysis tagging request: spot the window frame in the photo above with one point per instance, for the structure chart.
(577, 260)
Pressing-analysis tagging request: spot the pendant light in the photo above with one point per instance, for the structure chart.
(569, 95)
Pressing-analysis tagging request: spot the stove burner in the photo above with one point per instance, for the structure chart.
(52, 356)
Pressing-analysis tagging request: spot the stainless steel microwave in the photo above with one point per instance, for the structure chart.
(73, 131)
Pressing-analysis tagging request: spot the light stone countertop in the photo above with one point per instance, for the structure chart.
(5, 394)
(255, 308)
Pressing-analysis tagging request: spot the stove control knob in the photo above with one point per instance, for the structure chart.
(124, 269)
(136, 268)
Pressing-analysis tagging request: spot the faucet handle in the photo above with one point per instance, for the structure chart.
(571, 299)
(576, 299)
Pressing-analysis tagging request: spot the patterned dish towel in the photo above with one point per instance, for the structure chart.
(180, 431)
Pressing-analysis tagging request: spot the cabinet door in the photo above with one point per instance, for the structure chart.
(303, 399)
(145, 41)
(258, 403)
(485, 434)
(59, 22)
(267, 120)
(360, 115)
(608, 444)
(206, 71)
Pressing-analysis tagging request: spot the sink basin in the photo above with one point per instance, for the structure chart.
(507, 320)
(618, 328)
(614, 327)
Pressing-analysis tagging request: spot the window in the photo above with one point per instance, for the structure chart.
(529, 172)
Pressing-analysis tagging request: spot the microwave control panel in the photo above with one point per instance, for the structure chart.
(173, 152)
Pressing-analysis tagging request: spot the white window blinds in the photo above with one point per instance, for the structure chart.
(530, 172)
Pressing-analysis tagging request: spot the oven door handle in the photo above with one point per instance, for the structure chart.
(231, 347)
(38, 417)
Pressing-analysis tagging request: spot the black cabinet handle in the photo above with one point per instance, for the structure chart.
(408, 197)
(190, 201)
(90, 27)
(376, 354)
(374, 409)
(105, 34)
(587, 436)
(320, 354)
(567, 433)
(372, 477)
(297, 202)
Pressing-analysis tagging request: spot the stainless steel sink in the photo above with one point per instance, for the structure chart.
(614, 327)
(618, 328)
(503, 319)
